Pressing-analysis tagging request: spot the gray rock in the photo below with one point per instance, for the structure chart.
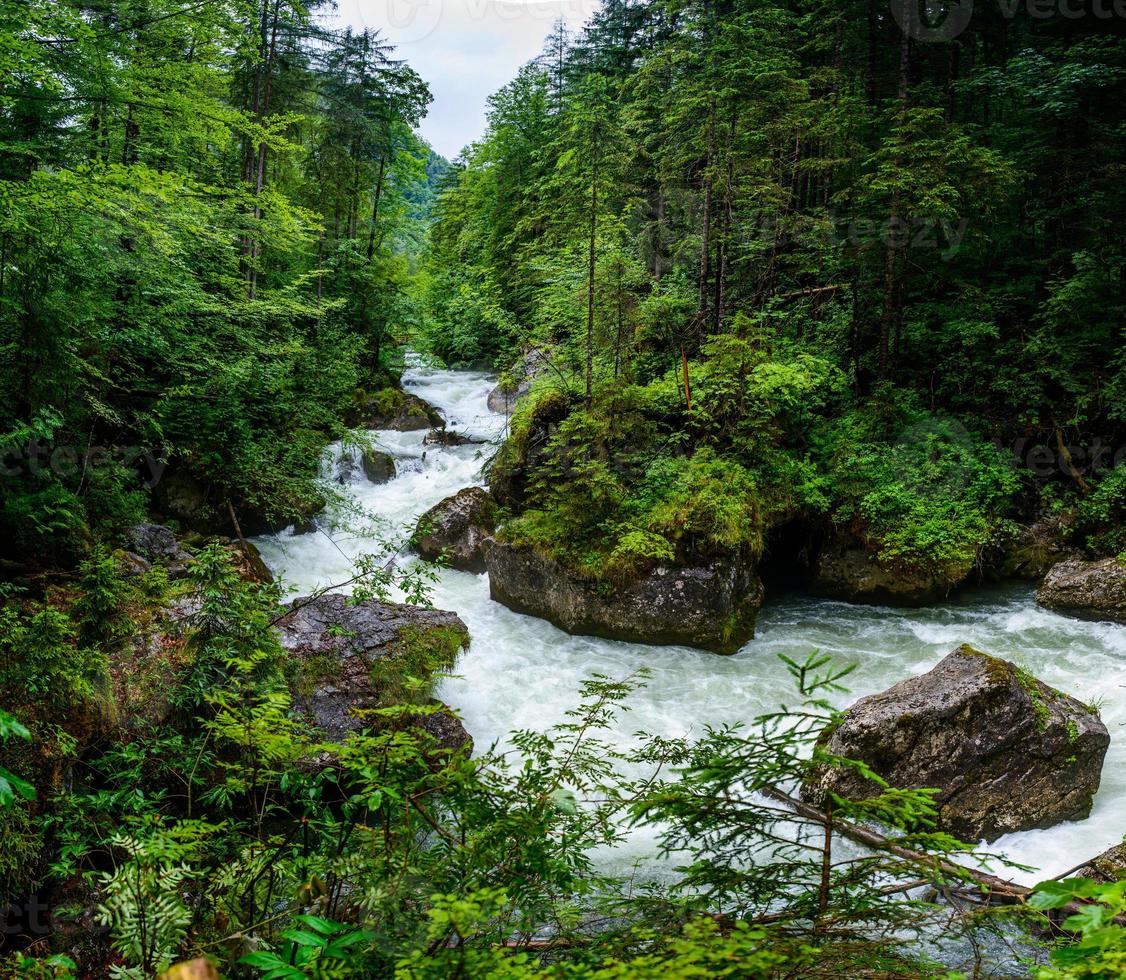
(447, 437)
(1037, 549)
(133, 564)
(523, 373)
(845, 570)
(458, 527)
(713, 606)
(348, 654)
(156, 543)
(1087, 589)
(445, 727)
(1006, 752)
(1110, 866)
(378, 467)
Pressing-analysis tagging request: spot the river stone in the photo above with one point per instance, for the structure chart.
(1087, 589)
(340, 647)
(379, 467)
(713, 606)
(1006, 752)
(523, 373)
(397, 410)
(846, 570)
(1037, 548)
(458, 526)
(1108, 867)
(448, 438)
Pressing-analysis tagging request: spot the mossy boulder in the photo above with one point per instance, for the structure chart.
(1110, 866)
(527, 446)
(350, 657)
(845, 569)
(457, 528)
(376, 466)
(1005, 751)
(713, 605)
(1036, 549)
(1087, 589)
(517, 382)
(394, 409)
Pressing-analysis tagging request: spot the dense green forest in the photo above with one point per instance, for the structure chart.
(788, 248)
(771, 278)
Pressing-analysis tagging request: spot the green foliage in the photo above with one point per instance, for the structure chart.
(1100, 950)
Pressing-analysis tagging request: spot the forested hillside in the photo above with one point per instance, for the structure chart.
(208, 221)
(780, 297)
(807, 275)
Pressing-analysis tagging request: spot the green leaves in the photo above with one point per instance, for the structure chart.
(317, 948)
(11, 786)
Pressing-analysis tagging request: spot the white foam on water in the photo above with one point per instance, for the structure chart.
(522, 673)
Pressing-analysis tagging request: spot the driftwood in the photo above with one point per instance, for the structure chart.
(993, 890)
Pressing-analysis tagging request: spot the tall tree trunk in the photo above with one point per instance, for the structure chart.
(270, 44)
(892, 263)
(590, 275)
(375, 205)
(725, 227)
(706, 229)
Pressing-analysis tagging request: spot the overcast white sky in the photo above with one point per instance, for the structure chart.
(465, 49)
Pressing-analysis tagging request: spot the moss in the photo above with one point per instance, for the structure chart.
(1072, 732)
(406, 675)
(20, 847)
(1036, 694)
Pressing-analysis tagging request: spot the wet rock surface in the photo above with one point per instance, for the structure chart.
(458, 528)
(1087, 589)
(1005, 751)
(845, 570)
(340, 646)
(713, 606)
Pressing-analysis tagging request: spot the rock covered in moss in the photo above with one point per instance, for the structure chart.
(376, 465)
(1088, 589)
(351, 657)
(1110, 866)
(844, 569)
(458, 527)
(1037, 548)
(713, 605)
(502, 398)
(1005, 751)
(397, 410)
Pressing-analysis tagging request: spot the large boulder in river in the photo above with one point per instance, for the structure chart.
(358, 656)
(1005, 751)
(844, 569)
(1088, 589)
(457, 528)
(397, 410)
(713, 605)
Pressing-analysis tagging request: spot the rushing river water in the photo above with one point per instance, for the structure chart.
(521, 672)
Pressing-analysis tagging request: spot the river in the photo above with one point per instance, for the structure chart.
(521, 672)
